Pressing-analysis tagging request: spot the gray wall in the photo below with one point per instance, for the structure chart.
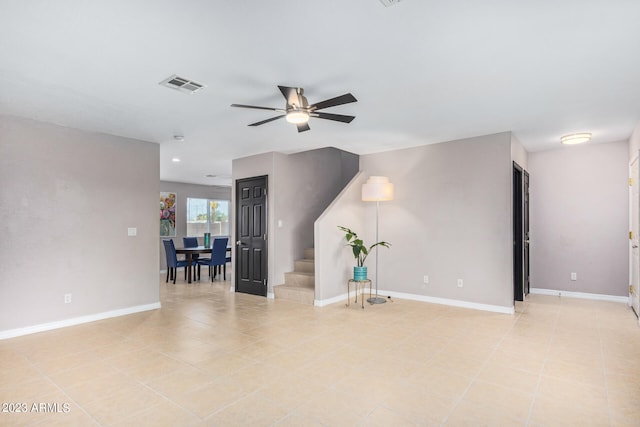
(305, 184)
(579, 218)
(184, 191)
(451, 219)
(67, 198)
(300, 186)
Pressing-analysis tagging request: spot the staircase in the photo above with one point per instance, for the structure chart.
(299, 285)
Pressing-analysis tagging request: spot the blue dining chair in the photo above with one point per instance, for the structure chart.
(191, 242)
(172, 261)
(218, 257)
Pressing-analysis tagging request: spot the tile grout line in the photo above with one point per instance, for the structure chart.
(474, 379)
(540, 374)
(604, 374)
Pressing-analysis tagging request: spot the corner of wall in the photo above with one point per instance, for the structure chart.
(518, 153)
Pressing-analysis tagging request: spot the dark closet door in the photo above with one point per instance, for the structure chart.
(251, 235)
(520, 233)
(518, 285)
(525, 214)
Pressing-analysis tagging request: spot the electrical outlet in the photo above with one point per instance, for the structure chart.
(67, 298)
(574, 276)
(460, 283)
(425, 280)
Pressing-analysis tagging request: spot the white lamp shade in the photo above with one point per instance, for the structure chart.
(377, 189)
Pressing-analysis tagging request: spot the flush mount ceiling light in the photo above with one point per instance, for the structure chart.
(297, 116)
(179, 138)
(575, 138)
(175, 160)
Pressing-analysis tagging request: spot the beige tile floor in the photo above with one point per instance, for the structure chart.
(212, 357)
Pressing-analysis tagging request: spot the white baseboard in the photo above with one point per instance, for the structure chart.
(12, 333)
(425, 298)
(583, 295)
(325, 302)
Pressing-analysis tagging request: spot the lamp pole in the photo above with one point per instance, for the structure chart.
(376, 299)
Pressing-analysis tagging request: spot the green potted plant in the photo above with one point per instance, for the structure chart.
(360, 252)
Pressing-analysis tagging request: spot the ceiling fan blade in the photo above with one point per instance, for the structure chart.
(256, 107)
(335, 117)
(302, 127)
(266, 121)
(338, 100)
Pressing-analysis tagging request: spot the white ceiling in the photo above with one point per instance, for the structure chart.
(424, 71)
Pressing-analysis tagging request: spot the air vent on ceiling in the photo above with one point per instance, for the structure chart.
(182, 84)
(388, 3)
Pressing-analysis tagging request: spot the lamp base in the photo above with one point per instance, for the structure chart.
(376, 300)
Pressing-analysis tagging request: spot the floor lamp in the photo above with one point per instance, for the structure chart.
(377, 189)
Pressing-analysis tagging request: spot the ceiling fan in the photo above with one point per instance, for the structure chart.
(298, 111)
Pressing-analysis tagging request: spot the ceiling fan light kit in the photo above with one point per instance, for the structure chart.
(575, 138)
(297, 117)
(298, 111)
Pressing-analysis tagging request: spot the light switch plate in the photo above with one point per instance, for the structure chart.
(132, 231)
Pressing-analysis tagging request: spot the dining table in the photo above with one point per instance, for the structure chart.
(188, 252)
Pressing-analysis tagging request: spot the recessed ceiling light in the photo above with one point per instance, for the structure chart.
(575, 138)
(175, 160)
(178, 137)
(210, 176)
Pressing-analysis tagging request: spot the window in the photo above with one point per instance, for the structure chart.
(207, 216)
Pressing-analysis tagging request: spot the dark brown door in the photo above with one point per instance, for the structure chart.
(251, 236)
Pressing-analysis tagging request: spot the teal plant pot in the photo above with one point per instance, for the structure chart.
(359, 273)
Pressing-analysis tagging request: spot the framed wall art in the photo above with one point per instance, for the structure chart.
(168, 214)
